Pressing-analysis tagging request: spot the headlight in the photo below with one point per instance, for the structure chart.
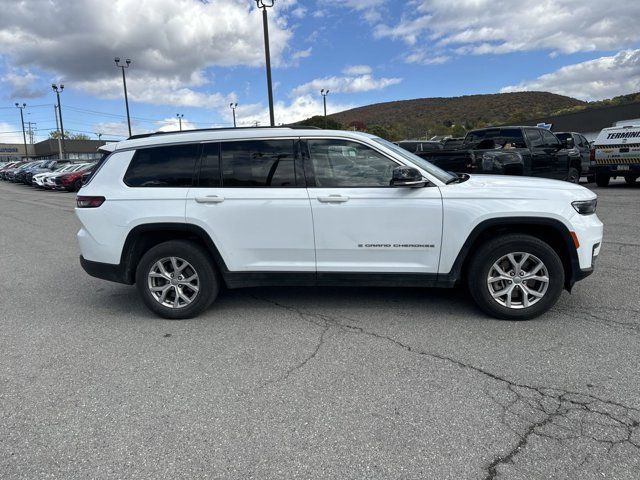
(585, 207)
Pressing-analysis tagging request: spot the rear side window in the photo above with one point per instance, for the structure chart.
(258, 163)
(169, 166)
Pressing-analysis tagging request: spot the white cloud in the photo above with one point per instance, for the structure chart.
(302, 54)
(171, 42)
(300, 108)
(151, 89)
(117, 129)
(172, 124)
(371, 9)
(357, 78)
(354, 70)
(502, 26)
(21, 84)
(604, 77)
(9, 133)
(426, 58)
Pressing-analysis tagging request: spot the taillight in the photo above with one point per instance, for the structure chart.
(89, 202)
(592, 155)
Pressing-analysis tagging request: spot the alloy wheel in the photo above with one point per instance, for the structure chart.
(518, 280)
(173, 282)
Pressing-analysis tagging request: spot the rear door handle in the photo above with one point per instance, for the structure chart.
(333, 199)
(210, 199)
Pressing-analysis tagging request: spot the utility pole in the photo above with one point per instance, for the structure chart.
(264, 4)
(55, 113)
(124, 82)
(58, 90)
(180, 117)
(324, 94)
(24, 136)
(31, 131)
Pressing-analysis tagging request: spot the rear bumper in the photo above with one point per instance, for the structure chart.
(620, 169)
(105, 271)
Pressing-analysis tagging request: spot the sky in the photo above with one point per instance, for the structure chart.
(195, 57)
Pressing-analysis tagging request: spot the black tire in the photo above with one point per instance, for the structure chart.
(490, 252)
(602, 179)
(200, 260)
(573, 176)
(591, 178)
(630, 179)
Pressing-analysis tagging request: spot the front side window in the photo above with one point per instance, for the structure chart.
(341, 163)
(168, 166)
(550, 140)
(258, 163)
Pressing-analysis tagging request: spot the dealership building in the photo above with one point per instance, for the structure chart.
(591, 121)
(49, 150)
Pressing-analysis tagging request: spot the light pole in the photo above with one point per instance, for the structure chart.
(264, 4)
(180, 117)
(233, 107)
(58, 90)
(99, 135)
(55, 114)
(24, 135)
(324, 94)
(124, 82)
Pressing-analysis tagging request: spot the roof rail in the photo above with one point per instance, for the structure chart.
(153, 134)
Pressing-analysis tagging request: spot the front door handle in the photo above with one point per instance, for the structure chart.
(333, 199)
(210, 199)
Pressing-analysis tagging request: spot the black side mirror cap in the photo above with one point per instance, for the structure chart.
(407, 177)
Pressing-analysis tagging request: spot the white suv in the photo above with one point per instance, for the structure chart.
(180, 214)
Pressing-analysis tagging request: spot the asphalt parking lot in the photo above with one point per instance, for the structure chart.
(289, 383)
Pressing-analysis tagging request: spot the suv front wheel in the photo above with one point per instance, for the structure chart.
(176, 279)
(515, 277)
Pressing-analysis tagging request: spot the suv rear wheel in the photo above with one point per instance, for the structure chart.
(176, 279)
(515, 277)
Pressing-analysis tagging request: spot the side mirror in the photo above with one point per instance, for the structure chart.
(407, 177)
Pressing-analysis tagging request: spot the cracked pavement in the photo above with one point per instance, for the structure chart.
(311, 383)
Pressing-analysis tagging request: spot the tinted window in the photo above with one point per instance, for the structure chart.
(258, 163)
(535, 139)
(431, 147)
(549, 138)
(409, 146)
(340, 163)
(210, 169)
(495, 138)
(170, 166)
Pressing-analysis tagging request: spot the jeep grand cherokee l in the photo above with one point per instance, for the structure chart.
(180, 214)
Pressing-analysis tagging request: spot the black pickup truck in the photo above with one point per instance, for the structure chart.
(529, 151)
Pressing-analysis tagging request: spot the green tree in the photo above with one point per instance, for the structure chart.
(55, 134)
(319, 121)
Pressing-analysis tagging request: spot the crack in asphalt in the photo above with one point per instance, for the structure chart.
(559, 414)
(587, 314)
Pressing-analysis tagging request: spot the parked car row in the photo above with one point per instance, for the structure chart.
(538, 152)
(47, 174)
(528, 151)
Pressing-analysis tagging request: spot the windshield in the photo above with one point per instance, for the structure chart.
(440, 174)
